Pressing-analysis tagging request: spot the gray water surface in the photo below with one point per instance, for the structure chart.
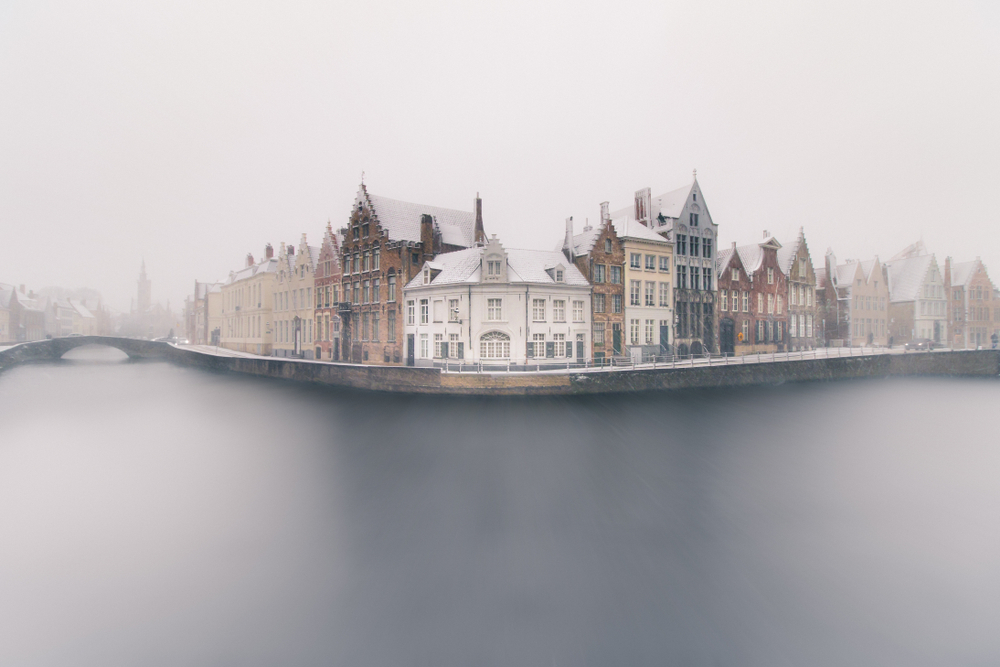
(154, 515)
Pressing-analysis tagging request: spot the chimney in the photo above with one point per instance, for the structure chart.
(290, 249)
(568, 243)
(766, 235)
(480, 233)
(605, 212)
(427, 236)
(268, 251)
(643, 202)
(734, 246)
(249, 259)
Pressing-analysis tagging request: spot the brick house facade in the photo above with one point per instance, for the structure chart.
(328, 286)
(600, 256)
(758, 275)
(796, 263)
(384, 246)
(971, 314)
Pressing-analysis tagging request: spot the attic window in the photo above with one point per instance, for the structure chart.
(559, 275)
(607, 245)
(694, 219)
(694, 196)
(736, 275)
(427, 275)
(493, 267)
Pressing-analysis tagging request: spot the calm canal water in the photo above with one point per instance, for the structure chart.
(154, 515)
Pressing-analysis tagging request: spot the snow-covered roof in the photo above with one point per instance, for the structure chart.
(523, 266)
(821, 277)
(669, 204)
(846, 273)
(961, 273)
(630, 229)
(907, 276)
(788, 251)
(6, 294)
(722, 260)
(583, 242)
(263, 266)
(80, 308)
(402, 219)
(752, 256)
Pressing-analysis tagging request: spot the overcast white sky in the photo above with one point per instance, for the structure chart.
(192, 133)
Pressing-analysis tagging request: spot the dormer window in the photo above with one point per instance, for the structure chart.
(607, 246)
(427, 275)
(559, 275)
(493, 267)
(736, 275)
(770, 276)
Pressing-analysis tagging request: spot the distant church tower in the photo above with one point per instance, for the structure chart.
(145, 290)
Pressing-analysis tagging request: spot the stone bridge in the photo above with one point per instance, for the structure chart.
(54, 348)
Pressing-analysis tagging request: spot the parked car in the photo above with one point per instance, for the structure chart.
(919, 344)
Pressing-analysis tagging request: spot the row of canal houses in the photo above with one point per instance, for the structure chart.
(406, 283)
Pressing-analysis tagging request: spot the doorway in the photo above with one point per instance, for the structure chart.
(727, 337)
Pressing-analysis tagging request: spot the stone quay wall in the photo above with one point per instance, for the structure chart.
(401, 379)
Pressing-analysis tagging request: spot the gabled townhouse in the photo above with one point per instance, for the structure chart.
(8, 302)
(682, 216)
(385, 244)
(753, 275)
(918, 304)
(22, 317)
(970, 292)
(855, 298)
(328, 297)
(795, 262)
(599, 255)
(205, 324)
(499, 306)
(84, 321)
(649, 312)
(295, 303)
(247, 306)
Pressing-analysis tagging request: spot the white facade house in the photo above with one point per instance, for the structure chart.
(649, 310)
(493, 305)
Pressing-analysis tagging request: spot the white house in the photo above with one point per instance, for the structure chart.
(495, 305)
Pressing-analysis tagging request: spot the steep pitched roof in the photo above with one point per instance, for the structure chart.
(961, 273)
(722, 260)
(788, 251)
(906, 276)
(402, 219)
(630, 229)
(523, 266)
(845, 273)
(752, 256)
(671, 204)
(6, 295)
(583, 242)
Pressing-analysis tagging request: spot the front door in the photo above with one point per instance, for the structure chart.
(298, 337)
(664, 339)
(616, 337)
(579, 347)
(727, 337)
(409, 349)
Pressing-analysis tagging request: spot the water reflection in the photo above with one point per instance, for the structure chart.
(157, 515)
(95, 354)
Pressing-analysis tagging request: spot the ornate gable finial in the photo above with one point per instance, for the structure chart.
(695, 174)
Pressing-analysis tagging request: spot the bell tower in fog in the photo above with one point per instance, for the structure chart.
(145, 291)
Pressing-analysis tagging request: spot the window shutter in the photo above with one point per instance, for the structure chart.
(569, 349)
(531, 349)
(550, 350)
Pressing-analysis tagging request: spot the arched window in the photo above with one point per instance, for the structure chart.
(494, 345)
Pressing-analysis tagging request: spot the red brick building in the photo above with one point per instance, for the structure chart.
(600, 256)
(385, 243)
(753, 274)
(328, 293)
(972, 320)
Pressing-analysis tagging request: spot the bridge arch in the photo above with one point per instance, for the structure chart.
(53, 349)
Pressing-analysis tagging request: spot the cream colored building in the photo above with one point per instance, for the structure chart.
(649, 295)
(295, 303)
(246, 306)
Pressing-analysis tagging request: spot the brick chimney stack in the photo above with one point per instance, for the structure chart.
(268, 251)
(605, 212)
(249, 259)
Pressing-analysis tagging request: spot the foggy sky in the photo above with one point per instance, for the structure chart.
(192, 133)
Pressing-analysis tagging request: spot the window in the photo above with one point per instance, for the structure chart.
(706, 247)
(376, 260)
(598, 333)
(664, 264)
(651, 262)
(559, 310)
(391, 333)
(694, 246)
(724, 300)
(364, 292)
(695, 278)
(366, 260)
(346, 263)
(616, 303)
(598, 303)
(392, 288)
(493, 267)
(802, 268)
(559, 275)
(410, 312)
(706, 278)
(560, 344)
(664, 295)
(375, 325)
(599, 273)
(779, 306)
(616, 275)
(809, 294)
(682, 244)
(746, 331)
(682, 277)
(649, 331)
(375, 290)
(538, 310)
(453, 346)
(357, 233)
(635, 260)
(424, 311)
(357, 263)
(634, 332)
(494, 345)
(650, 294)
(357, 292)
(453, 310)
(694, 219)
(770, 276)
(438, 339)
(578, 311)
(494, 310)
(424, 347)
(364, 230)
(364, 326)
(634, 289)
(736, 301)
(608, 248)
(536, 348)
